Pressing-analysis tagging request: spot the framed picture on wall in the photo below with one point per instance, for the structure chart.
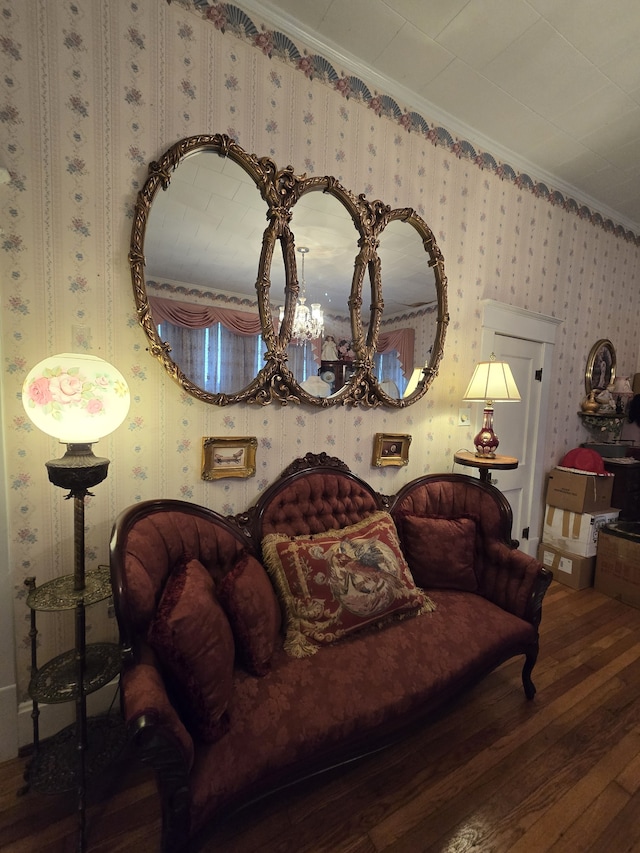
(601, 366)
(390, 449)
(228, 457)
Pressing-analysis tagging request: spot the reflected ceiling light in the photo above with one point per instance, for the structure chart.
(307, 324)
(492, 381)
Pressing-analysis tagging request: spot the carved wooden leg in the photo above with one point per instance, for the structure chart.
(173, 785)
(527, 669)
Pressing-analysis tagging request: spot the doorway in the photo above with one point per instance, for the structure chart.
(526, 341)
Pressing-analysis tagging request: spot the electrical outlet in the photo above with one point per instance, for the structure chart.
(464, 417)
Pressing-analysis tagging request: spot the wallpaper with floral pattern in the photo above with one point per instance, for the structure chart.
(91, 92)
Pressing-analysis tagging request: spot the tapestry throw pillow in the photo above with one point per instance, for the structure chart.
(333, 584)
(249, 600)
(191, 635)
(440, 551)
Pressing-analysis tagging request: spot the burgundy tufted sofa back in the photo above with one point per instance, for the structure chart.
(153, 537)
(314, 502)
(457, 495)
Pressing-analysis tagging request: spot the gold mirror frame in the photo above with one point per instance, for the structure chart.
(281, 189)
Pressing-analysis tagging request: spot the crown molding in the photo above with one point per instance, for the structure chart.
(266, 13)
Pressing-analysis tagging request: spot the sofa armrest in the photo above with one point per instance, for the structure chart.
(515, 581)
(163, 743)
(146, 704)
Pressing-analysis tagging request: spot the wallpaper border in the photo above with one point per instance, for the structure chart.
(227, 17)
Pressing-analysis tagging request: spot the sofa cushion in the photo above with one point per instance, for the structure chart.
(308, 712)
(192, 637)
(332, 584)
(440, 551)
(247, 595)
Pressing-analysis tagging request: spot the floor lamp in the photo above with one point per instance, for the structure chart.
(77, 399)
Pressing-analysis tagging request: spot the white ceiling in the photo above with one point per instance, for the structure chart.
(551, 87)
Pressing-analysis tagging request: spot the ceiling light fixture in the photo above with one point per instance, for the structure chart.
(307, 324)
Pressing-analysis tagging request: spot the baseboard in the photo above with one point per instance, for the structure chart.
(8, 722)
(52, 718)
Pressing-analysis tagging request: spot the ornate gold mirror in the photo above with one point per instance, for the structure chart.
(227, 252)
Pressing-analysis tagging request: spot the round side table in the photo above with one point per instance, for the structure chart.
(485, 463)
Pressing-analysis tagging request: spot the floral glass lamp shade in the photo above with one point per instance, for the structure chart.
(77, 399)
(492, 382)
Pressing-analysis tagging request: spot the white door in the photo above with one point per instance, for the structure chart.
(516, 425)
(525, 340)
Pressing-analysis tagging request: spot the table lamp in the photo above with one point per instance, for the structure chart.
(492, 382)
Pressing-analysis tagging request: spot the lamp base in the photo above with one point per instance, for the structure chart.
(78, 470)
(486, 441)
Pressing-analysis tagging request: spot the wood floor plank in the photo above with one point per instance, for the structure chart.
(583, 832)
(564, 810)
(386, 832)
(516, 785)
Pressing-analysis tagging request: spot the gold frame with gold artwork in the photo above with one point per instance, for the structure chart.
(228, 457)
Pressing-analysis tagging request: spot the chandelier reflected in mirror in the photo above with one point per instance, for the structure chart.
(307, 323)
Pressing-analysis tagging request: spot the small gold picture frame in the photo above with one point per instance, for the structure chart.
(390, 448)
(228, 457)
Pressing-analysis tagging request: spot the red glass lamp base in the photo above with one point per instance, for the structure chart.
(486, 441)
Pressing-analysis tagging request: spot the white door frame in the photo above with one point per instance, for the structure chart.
(510, 321)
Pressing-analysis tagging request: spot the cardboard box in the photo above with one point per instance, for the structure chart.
(573, 531)
(570, 569)
(579, 492)
(618, 567)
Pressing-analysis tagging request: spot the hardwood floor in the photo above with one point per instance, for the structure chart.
(493, 772)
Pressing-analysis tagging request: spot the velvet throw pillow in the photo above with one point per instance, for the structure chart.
(332, 584)
(440, 551)
(191, 635)
(247, 595)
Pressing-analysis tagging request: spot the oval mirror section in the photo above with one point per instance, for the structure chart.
(408, 339)
(320, 352)
(202, 241)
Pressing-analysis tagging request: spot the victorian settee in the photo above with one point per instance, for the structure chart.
(310, 630)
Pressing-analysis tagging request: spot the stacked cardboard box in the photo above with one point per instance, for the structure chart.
(618, 565)
(577, 506)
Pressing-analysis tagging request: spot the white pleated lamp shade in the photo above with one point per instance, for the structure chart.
(492, 381)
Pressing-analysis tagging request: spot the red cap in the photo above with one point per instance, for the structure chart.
(583, 459)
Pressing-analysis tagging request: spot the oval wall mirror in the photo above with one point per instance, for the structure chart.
(226, 248)
(410, 336)
(326, 241)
